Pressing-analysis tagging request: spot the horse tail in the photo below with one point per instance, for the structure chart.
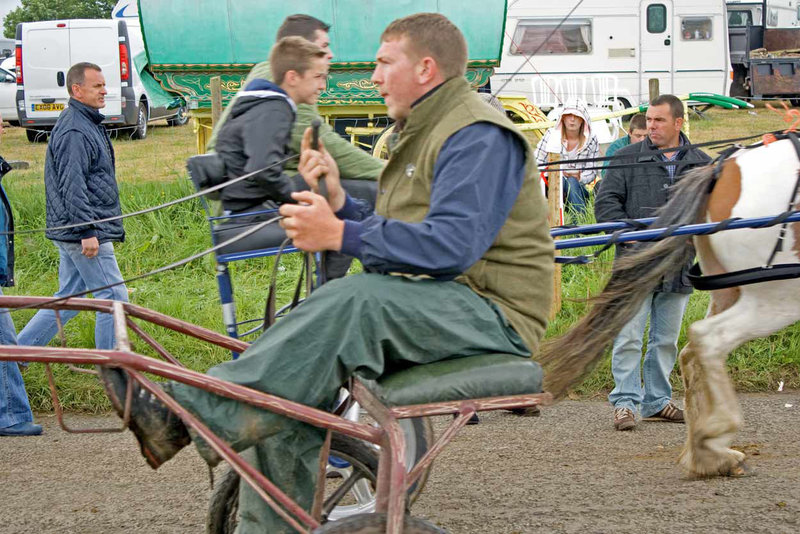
(571, 356)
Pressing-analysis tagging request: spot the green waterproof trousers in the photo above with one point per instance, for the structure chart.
(366, 324)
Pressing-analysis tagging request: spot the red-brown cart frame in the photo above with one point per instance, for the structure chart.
(393, 480)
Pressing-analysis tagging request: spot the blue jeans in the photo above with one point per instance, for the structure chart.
(14, 407)
(575, 195)
(78, 273)
(666, 313)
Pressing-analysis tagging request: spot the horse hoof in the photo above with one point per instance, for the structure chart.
(740, 470)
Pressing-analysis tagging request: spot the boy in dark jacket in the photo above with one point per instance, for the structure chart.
(81, 186)
(257, 133)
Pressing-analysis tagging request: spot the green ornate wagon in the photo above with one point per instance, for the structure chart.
(190, 41)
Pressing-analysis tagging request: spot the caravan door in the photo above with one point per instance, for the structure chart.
(655, 45)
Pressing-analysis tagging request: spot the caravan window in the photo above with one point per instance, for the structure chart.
(696, 28)
(740, 18)
(544, 37)
(656, 18)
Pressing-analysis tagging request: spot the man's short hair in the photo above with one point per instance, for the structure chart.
(432, 34)
(304, 26)
(639, 122)
(292, 53)
(675, 105)
(77, 74)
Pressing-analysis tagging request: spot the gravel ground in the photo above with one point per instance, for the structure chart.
(566, 471)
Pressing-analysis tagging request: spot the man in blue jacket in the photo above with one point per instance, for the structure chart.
(80, 187)
(16, 418)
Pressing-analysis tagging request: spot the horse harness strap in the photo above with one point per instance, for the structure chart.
(782, 235)
(745, 277)
(756, 275)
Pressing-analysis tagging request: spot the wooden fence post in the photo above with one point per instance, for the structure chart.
(654, 90)
(216, 99)
(554, 204)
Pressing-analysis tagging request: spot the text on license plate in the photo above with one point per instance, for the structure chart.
(48, 107)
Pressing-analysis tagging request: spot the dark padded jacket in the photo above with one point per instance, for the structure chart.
(255, 136)
(79, 178)
(637, 192)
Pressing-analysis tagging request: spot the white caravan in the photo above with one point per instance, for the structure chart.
(46, 50)
(606, 52)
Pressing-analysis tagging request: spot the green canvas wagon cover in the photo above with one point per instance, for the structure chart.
(190, 41)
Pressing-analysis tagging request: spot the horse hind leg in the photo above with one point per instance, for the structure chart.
(712, 410)
(710, 430)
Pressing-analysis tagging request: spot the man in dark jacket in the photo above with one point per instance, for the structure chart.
(81, 186)
(633, 193)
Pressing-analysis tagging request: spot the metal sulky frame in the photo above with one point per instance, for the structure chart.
(392, 480)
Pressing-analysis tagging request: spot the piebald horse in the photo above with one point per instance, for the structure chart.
(753, 182)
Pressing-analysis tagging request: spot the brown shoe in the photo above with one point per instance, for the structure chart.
(670, 413)
(530, 411)
(624, 419)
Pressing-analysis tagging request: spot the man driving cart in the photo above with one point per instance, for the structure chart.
(457, 260)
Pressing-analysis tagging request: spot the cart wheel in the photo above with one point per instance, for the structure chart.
(376, 524)
(349, 458)
(352, 470)
(419, 438)
(379, 149)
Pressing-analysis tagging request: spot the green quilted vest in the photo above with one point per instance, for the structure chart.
(516, 273)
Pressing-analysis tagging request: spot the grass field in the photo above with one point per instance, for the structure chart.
(152, 171)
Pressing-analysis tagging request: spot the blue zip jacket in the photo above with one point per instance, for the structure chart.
(6, 241)
(79, 178)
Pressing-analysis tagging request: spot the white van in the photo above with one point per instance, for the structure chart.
(606, 52)
(46, 50)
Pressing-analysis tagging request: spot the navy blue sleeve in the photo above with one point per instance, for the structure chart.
(72, 169)
(477, 178)
(354, 209)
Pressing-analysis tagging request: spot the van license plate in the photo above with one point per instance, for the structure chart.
(48, 107)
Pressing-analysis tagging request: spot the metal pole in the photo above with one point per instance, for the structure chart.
(655, 234)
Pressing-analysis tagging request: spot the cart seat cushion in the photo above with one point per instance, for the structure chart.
(271, 236)
(472, 377)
